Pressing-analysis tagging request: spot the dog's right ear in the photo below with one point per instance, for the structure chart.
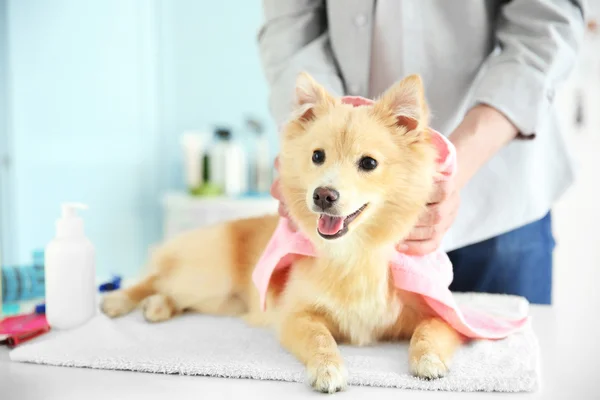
(309, 96)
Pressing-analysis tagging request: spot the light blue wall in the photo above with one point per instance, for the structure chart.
(5, 181)
(210, 69)
(78, 125)
(100, 91)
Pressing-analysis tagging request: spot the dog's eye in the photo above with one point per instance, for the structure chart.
(367, 163)
(318, 157)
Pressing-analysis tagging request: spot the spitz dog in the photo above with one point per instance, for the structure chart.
(354, 180)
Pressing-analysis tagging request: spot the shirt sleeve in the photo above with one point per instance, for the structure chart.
(537, 44)
(294, 38)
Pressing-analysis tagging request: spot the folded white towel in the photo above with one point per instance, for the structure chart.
(226, 347)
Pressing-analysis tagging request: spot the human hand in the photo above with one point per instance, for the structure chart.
(276, 193)
(435, 221)
(480, 135)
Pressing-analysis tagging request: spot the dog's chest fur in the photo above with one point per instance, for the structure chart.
(362, 304)
(364, 317)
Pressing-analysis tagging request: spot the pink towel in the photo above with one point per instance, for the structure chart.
(429, 275)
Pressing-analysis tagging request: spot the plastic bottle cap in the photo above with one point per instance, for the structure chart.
(70, 224)
(223, 133)
(192, 140)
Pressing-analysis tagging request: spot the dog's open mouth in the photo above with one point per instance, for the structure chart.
(333, 227)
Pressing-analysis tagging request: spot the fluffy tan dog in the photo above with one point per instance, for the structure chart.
(355, 180)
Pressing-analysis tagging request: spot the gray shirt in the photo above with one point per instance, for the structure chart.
(511, 55)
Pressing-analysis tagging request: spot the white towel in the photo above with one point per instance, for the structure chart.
(225, 347)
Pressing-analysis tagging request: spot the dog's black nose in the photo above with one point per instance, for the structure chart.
(325, 197)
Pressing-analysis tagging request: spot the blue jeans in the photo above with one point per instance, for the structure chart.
(517, 262)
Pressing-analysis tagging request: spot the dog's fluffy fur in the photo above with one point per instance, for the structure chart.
(345, 294)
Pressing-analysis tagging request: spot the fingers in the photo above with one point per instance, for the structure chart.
(422, 233)
(433, 224)
(418, 247)
(432, 215)
(277, 163)
(439, 204)
(436, 213)
(284, 213)
(442, 190)
(275, 192)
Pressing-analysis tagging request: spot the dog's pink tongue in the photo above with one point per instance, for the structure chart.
(329, 225)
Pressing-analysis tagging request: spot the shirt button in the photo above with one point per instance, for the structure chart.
(354, 89)
(360, 20)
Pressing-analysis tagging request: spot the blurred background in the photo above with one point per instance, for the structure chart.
(110, 102)
(94, 99)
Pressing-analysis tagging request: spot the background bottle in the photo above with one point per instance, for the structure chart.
(218, 157)
(236, 169)
(228, 164)
(262, 171)
(192, 143)
(70, 272)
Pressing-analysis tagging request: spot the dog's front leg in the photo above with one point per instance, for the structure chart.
(307, 336)
(431, 348)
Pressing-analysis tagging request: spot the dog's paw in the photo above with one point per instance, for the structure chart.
(157, 308)
(428, 366)
(115, 304)
(327, 374)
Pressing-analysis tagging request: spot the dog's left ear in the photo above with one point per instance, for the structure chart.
(310, 96)
(405, 103)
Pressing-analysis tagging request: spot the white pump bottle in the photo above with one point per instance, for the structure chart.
(70, 271)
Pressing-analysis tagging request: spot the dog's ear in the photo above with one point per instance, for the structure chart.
(309, 96)
(405, 103)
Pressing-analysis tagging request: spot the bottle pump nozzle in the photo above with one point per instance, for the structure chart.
(70, 224)
(69, 209)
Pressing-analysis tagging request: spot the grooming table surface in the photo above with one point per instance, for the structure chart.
(568, 369)
(200, 345)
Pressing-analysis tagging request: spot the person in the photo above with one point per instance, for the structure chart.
(490, 70)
